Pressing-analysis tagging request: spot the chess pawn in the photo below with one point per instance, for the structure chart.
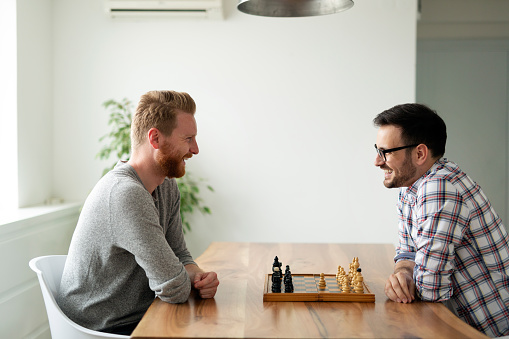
(321, 283)
(359, 288)
(340, 279)
(339, 272)
(345, 287)
(351, 274)
(343, 279)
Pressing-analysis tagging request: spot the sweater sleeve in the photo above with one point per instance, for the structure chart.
(174, 230)
(135, 227)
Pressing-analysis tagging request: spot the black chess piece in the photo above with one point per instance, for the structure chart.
(276, 263)
(276, 276)
(288, 274)
(276, 283)
(288, 280)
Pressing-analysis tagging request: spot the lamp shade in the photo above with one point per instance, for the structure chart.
(293, 8)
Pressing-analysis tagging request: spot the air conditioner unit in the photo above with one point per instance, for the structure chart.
(212, 9)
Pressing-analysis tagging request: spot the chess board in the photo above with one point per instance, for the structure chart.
(306, 289)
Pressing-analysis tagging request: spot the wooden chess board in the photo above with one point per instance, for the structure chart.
(306, 289)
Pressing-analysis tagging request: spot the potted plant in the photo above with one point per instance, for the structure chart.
(119, 147)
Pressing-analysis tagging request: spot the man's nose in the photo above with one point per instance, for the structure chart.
(194, 148)
(378, 160)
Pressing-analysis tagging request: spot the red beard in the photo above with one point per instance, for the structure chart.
(172, 165)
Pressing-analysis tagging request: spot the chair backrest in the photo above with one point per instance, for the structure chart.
(49, 271)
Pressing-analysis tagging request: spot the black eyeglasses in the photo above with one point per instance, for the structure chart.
(381, 152)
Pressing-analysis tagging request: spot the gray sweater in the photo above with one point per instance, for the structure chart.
(128, 247)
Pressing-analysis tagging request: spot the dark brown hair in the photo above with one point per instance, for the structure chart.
(419, 125)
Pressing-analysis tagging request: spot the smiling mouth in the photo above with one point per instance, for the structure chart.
(387, 172)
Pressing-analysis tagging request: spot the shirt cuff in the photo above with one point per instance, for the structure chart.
(404, 256)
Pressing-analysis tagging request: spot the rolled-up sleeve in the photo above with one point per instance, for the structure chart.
(441, 223)
(405, 249)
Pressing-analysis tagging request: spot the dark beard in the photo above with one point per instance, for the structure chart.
(404, 176)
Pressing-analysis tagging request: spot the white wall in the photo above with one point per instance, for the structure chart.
(33, 234)
(284, 111)
(466, 81)
(8, 97)
(35, 99)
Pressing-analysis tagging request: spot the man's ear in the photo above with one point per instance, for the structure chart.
(421, 154)
(154, 137)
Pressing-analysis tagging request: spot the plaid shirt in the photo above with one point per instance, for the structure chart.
(459, 245)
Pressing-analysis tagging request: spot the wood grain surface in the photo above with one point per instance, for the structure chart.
(238, 310)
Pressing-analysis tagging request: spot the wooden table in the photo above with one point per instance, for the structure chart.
(238, 310)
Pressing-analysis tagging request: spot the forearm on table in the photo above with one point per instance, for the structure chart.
(192, 269)
(405, 266)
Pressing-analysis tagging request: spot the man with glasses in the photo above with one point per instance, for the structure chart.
(453, 247)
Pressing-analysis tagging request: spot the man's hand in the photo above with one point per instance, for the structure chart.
(206, 283)
(400, 286)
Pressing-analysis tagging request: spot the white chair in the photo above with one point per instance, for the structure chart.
(49, 271)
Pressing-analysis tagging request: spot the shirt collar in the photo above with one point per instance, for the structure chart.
(439, 164)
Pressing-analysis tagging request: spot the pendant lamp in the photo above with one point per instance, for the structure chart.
(293, 8)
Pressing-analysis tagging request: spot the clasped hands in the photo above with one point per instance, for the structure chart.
(206, 284)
